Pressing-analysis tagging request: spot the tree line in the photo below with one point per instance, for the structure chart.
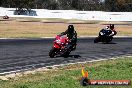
(85, 5)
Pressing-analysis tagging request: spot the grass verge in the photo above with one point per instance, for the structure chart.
(68, 76)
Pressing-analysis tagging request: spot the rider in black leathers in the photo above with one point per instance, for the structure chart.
(109, 30)
(72, 36)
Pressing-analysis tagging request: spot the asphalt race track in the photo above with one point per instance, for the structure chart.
(23, 54)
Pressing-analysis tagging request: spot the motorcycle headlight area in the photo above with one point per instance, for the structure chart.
(58, 41)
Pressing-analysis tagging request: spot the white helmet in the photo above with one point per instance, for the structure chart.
(107, 27)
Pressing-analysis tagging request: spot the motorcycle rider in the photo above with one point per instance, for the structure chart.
(110, 30)
(72, 36)
(113, 30)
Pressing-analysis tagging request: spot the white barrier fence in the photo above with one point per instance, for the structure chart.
(71, 14)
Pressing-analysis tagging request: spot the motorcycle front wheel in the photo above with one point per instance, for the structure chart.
(52, 52)
(96, 40)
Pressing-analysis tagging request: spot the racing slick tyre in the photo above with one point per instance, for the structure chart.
(52, 52)
(96, 40)
(66, 52)
(108, 40)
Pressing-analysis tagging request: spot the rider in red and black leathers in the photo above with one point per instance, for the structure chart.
(113, 30)
(72, 36)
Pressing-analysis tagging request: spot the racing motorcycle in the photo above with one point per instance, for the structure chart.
(60, 47)
(5, 17)
(104, 36)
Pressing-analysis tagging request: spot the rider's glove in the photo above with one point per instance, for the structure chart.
(112, 34)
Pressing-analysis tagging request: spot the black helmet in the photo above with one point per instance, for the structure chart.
(111, 26)
(70, 28)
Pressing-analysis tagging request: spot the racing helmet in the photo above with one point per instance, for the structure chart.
(111, 26)
(70, 28)
(107, 27)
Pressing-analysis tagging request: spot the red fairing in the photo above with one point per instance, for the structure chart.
(56, 46)
(60, 42)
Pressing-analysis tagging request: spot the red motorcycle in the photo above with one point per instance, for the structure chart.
(60, 47)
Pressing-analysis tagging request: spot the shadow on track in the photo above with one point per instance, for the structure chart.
(71, 56)
(106, 43)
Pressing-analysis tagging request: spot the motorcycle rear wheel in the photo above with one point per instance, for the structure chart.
(65, 53)
(108, 40)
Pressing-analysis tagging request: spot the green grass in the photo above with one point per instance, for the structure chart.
(68, 76)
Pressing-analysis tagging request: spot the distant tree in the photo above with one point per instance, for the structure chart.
(64, 4)
(52, 4)
(4, 3)
(46, 4)
(129, 4)
(75, 4)
(117, 5)
(22, 5)
(0, 3)
(105, 5)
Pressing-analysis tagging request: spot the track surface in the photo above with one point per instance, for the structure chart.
(18, 55)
